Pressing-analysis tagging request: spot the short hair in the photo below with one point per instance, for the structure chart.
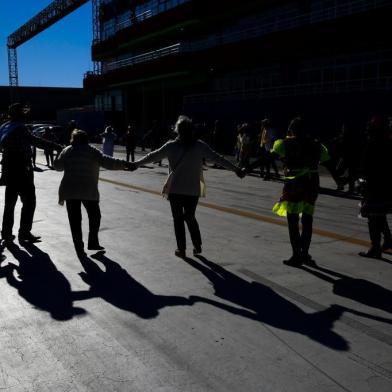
(296, 126)
(15, 110)
(79, 137)
(266, 122)
(184, 126)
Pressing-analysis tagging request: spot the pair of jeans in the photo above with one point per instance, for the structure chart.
(183, 209)
(74, 210)
(24, 189)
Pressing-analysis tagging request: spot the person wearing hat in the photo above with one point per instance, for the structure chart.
(18, 174)
(185, 183)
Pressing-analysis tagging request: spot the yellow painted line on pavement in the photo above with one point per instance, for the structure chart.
(250, 215)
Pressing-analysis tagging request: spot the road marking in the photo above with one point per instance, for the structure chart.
(250, 215)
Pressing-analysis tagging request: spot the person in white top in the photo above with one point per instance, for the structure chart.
(79, 185)
(185, 183)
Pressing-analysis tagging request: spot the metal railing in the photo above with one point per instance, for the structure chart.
(288, 19)
(346, 86)
(143, 13)
(142, 58)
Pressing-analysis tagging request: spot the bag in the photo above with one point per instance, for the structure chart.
(167, 186)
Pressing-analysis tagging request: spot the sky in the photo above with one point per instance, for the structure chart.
(57, 57)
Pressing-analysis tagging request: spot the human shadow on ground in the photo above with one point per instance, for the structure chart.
(263, 304)
(120, 289)
(40, 283)
(359, 290)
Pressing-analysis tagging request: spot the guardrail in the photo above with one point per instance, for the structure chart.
(142, 58)
(345, 86)
(281, 21)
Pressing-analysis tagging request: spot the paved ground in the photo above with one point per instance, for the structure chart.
(237, 319)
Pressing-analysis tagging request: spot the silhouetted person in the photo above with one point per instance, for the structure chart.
(268, 136)
(377, 196)
(301, 155)
(18, 174)
(130, 143)
(49, 155)
(80, 163)
(185, 183)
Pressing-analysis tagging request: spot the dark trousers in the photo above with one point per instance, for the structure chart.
(131, 152)
(300, 242)
(378, 225)
(75, 221)
(26, 191)
(49, 155)
(183, 209)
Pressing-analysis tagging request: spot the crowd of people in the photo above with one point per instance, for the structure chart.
(299, 152)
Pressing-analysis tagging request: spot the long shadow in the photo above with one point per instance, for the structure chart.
(40, 283)
(120, 289)
(263, 304)
(359, 290)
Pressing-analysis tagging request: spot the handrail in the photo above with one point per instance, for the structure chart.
(142, 58)
(287, 21)
(354, 85)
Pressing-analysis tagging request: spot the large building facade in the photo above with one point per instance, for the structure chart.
(242, 60)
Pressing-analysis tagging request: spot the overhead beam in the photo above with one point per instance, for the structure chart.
(55, 11)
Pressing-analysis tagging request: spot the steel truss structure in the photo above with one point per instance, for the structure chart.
(54, 12)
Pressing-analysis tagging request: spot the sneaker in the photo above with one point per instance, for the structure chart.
(180, 253)
(29, 237)
(197, 250)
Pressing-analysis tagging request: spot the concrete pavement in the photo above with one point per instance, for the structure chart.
(236, 319)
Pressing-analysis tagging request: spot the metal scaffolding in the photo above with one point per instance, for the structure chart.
(96, 31)
(55, 11)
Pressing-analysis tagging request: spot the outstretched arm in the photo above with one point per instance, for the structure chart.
(212, 155)
(153, 156)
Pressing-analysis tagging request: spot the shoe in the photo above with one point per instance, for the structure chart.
(372, 253)
(180, 253)
(386, 245)
(95, 247)
(308, 260)
(293, 261)
(29, 237)
(197, 250)
(8, 238)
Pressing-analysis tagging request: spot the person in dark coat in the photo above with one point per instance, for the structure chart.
(377, 197)
(18, 174)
